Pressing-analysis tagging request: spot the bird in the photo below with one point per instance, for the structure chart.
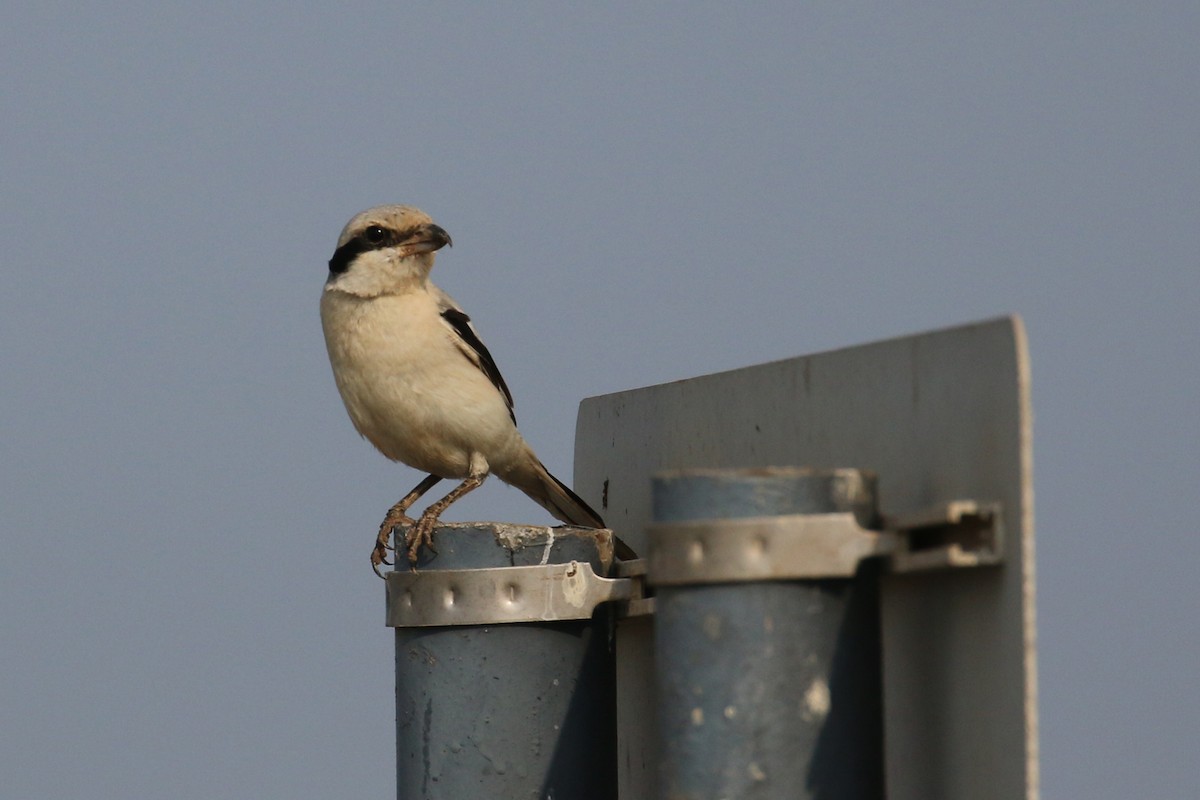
(416, 379)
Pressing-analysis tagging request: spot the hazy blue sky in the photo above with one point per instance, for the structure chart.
(636, 195)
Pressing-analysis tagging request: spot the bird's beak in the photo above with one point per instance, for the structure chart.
(427, 239)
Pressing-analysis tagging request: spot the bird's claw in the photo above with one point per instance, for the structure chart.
(420, 534)
(417, 534)
(379, 557)
(383, 543)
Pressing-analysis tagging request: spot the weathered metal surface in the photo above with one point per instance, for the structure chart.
(938, 417)
(507, 710)
(768, 689)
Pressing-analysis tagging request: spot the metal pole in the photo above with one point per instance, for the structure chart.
(768, 689)
(509, 710)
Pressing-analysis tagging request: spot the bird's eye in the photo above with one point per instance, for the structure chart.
(375, 234)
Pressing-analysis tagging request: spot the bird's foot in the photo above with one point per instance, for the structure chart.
(395, 518)
(420, 534)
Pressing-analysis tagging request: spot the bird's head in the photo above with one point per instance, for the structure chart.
(384, 250)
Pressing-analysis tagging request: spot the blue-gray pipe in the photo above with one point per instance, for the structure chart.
(519, 710)
(771, 689)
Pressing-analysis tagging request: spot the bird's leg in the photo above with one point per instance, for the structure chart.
(396, 516)
(422, 532)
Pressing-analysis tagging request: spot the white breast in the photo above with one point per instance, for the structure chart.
(407, 387)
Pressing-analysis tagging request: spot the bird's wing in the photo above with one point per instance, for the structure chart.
(470, 345)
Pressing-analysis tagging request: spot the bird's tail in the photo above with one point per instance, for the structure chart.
(552, 494)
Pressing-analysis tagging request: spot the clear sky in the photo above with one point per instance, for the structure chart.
(636, 195)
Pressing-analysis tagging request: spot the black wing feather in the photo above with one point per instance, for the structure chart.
(462, 326)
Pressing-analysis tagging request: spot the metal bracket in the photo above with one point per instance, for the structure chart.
(959, 534)
(638, 604)
(546, 593)
(785, 547)
(813, 546)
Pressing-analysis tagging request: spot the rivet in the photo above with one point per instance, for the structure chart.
(757, 547)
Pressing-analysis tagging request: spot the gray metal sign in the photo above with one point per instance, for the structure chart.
(943, 420)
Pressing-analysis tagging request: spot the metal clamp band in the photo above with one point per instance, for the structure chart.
(785, 547)
(547, 593)
(958, 534)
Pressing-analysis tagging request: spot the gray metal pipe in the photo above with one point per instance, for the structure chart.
(514, 710)
(769, 689)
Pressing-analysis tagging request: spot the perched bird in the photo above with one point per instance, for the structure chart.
(417, 381)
